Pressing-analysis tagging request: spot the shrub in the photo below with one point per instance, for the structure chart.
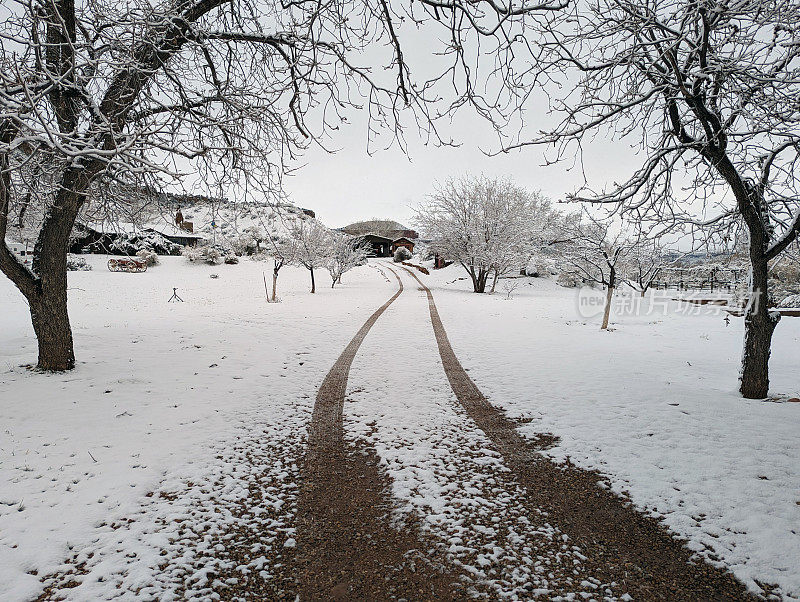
(192, 253)
(540, 267)
(210, 254)
(568, 280)
(77, 264)
(790, 301)
(149, 257)
(131, 244)
(231, 259)
(402, 254)
(213, 255)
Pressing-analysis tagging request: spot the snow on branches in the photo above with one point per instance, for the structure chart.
(490, 226)
(345, 253)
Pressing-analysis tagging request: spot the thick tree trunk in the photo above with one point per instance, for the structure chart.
(478, 277)
(313, 284)
(607, 310)
(759, 322)
(49, 301)
(759, 325)
(53, 332)
(479, 280)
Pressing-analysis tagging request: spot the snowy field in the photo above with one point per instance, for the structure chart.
(166, 395)
(652, 404)
(158, 389)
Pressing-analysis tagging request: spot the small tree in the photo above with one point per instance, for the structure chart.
(487, 225)
(593, 253)
(282, 251)
(311, 246)
(250, 240)
(346, 253)
(645, 262)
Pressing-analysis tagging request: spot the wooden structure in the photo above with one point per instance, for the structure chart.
(402, 242)
(381, 245)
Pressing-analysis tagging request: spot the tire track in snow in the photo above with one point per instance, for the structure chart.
(347, 548)
(446, 473)
(622, 545)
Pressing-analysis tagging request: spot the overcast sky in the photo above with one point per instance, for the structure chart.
(350, 185)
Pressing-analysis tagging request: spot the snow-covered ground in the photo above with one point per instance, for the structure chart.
(160, 388)
(653, 405)
(167, 397)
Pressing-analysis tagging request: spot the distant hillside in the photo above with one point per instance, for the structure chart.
(224, 222)
(383, 227)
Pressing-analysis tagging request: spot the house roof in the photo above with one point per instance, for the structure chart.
(372, 226)
(373, 235)
(164, 229)
(403, 238)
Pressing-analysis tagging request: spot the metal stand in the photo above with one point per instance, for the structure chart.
(175, 296)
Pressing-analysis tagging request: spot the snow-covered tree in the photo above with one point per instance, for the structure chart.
(345, 253)
(281, 249)
(311, 246)
(593, 251)
(707, 92)
(250, 240)
(490, 226)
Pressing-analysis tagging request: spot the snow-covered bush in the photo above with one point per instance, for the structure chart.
(402, 254)
(192, 254)
(568, 280)
(77, 264)
(131, 244)
(539, 266)
(149, 257)
(790, 301)
(207, 253)
(509, 286)
(213, 255)
(231, 259)
(249, 241)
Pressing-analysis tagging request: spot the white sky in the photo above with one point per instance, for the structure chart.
(351, 185)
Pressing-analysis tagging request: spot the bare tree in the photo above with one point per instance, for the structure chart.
(487, 225)
(645, 262)
(594, 251)
(345, 253)
(226, 90)
(311, 246)
(708, 91)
